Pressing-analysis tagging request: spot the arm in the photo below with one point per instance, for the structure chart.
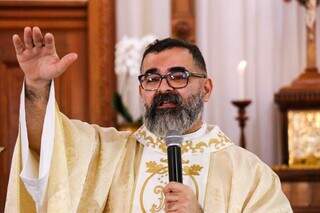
(40, 63)
(35, 103)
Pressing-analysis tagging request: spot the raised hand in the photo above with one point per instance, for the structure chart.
(38, 58)
(40, 63)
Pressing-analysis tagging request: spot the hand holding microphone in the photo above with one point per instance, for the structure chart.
(178, 197)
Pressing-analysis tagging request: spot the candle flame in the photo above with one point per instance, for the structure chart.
(242, 65)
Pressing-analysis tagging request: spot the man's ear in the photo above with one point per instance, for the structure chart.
(207, 89)
(140, 93)
(140, 90)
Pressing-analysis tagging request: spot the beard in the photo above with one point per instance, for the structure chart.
(180, 118)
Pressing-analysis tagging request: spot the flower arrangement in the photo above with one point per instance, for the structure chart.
(128, 56)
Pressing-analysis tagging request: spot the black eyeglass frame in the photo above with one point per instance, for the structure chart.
(189, 74)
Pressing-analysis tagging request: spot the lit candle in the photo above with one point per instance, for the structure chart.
(241, 71)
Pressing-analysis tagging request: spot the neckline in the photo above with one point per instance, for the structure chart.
(197, 134)
(208, 138)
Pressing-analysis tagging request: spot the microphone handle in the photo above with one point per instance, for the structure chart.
(174, 163)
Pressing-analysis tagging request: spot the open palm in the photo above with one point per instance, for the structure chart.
(38, 58)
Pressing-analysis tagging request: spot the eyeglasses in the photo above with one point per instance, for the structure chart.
(177, 78)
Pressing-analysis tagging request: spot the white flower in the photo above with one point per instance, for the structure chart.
(128, 54)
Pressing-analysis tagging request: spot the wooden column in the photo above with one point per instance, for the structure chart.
(102, 80)
(183, 19)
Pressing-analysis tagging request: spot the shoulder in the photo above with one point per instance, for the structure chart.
(230, 153)
(241, 155)
(93, 132)
(111, 134)
(240, 158)
(243, 166)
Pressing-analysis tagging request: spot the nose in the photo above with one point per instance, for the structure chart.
(164, 86)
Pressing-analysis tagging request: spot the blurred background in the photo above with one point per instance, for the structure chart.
(273, 37)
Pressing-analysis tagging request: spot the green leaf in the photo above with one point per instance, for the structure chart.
(118, 105)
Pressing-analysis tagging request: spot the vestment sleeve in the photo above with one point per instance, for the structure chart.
(265, 194)
(75, 168)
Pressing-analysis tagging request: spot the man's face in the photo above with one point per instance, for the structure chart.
(168, 108)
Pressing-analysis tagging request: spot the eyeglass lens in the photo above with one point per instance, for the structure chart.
(176, 77)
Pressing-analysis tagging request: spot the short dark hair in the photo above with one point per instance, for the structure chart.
(169, 43)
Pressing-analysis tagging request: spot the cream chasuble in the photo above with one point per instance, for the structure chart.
(153, 172)
(86, 168)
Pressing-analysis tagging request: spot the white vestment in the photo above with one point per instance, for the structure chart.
(87, 168)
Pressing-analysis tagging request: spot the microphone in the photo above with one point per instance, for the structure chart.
(173, 141)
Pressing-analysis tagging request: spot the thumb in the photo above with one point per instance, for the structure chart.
(66, 61)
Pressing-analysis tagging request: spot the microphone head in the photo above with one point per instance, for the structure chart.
(173, 137)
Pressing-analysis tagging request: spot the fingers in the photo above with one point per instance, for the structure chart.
(66, 61)
(174, 187)
(27, 37)
(37, 37)
(49, 42)
(171, 198)
(18, 44)
(171, 207)
(180, 197)
(33, 37)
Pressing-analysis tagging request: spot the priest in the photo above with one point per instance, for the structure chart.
(64, 165)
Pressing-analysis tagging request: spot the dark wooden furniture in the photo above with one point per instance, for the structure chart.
(302, 94)
(302, 188)
(85, 90)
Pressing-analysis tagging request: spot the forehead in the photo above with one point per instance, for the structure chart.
(175, 57)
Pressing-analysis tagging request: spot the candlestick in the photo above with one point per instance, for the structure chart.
(242, 118)
(241, 84)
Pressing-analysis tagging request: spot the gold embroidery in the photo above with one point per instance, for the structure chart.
(149, 140)
(142, 192)
(164, 160)
(196, 186)
(213, 141)
(218, 141)
(187, 146)
(153, 142)
(192, 170)
(161, 168)
(154, 168)
(157, 208)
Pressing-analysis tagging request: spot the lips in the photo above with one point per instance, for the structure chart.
(166, 104)
(164, 101)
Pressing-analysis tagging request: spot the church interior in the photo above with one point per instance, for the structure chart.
(262, 55)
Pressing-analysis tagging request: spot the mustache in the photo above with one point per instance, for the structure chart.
(170, 97)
